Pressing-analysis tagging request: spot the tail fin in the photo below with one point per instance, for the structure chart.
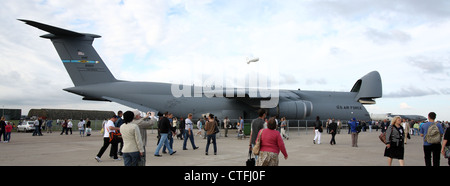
(75, 49)
(368, 88)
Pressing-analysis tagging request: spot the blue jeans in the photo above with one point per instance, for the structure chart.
(131, 158)
(191, 138)
(170, 138)
(163, 141)
(213, 138)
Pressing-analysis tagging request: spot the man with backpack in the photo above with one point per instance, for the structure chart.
(432, 134)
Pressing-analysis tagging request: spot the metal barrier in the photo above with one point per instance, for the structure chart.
(295, 126)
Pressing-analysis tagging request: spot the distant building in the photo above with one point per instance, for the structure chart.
(70, 114)
(11, 114)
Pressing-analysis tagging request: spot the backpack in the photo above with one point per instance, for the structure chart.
(433, 134)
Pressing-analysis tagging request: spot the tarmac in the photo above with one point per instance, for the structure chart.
(53, 149)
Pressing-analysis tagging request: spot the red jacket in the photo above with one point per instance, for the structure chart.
(8, 128)
(271, 142)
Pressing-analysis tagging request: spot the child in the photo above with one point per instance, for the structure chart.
(8, 129)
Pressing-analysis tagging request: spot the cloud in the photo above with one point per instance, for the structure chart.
(385, 37)
(320, 81)
(412, 91)
(317, 44)
(429, 65)
(405, 106)
(288, 79)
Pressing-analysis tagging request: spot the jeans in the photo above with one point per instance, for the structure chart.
(81, 132)
(131, 158)
(213, 137)
(191, 138)
(170, 138)
(8, 136)
(163, 141)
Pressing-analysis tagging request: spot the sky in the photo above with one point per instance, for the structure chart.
(323, 45)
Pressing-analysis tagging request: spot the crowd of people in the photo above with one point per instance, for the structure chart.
(130, 133)
(434, 133)
(126, 133)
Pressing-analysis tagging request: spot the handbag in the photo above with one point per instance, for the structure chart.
(114, 136)
(257, 146)
(383, 136)
(447, 152)
(216, 128)
(250, 161)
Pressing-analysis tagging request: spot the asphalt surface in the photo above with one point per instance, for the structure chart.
(72, 150)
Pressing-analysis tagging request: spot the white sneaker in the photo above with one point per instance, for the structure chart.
(98, 159)
(118, 159)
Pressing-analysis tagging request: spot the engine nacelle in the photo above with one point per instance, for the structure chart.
(295, 109)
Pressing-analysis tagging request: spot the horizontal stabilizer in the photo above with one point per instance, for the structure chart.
(51, 29)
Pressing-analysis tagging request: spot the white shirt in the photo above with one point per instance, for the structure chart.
(107, 130)
(189, 124)
(81, 125)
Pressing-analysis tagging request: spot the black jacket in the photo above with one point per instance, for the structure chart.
(333, 127)
(164, 125)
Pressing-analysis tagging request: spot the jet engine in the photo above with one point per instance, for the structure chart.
(295, 109)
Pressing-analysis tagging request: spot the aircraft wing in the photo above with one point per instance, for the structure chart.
(131, 104)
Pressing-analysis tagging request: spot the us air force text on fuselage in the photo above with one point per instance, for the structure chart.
(234, 176)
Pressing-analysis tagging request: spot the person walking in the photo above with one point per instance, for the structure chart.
(8, 129)
(446, 144)
(64, 127)
(172, 132)
(117, 124)
(189, 132)
(395, 144)
(133, 148)
(406, 127)
(49, 125)
(164, 130)
(109, 129)
(271, 144)
(283, 128)
(333, 129)
(317, 130)
(210, 127)
(241, 128)
(88, 127)
(200, 123)
(2, 129)
(431, 148)
(353, 129)
(69, 126)
(226, 124)
(37, 126)
(257, 125)
(81, 127)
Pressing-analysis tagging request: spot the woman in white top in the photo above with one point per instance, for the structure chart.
(133, 147)
(81, 127)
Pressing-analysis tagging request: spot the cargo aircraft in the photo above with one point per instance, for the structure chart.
(94, 81)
